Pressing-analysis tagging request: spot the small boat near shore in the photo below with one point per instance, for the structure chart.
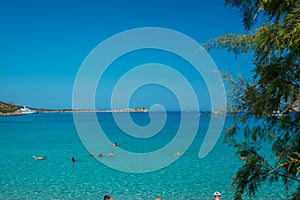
(26, 111)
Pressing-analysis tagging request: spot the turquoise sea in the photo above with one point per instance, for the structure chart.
(54, 135)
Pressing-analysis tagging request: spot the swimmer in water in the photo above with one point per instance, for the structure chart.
(111, 154)
(39, 157)
(107, 196)
(100, 155)
(217, 196)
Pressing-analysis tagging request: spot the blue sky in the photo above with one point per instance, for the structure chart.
(43, 44)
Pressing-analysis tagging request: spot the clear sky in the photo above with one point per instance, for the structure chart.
(43, 44)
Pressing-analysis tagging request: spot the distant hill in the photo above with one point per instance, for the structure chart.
(8, 107)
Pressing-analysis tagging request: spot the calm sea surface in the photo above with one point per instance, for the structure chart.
(54, 135)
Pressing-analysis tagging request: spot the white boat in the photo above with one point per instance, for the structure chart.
(25, 111)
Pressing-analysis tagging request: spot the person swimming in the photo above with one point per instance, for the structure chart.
(217, 196)
(107, 197)
(100, 155)
(111, 154)
(39, 157)
(73, 159)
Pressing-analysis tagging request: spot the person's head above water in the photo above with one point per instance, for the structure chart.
(107, 196)
(217, 195)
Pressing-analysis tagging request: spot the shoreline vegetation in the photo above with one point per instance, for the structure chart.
(10, 109)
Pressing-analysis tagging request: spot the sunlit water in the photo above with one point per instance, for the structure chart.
(54, 136)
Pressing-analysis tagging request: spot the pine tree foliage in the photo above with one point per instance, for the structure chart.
(269, 103)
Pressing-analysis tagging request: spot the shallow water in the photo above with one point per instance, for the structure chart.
(54, 135)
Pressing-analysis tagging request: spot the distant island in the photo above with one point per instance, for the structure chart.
(10, 109)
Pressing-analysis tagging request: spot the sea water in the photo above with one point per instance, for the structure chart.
(54, 135)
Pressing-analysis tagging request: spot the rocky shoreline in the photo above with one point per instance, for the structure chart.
(91, 111)
(16, 113)
(10, 114)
